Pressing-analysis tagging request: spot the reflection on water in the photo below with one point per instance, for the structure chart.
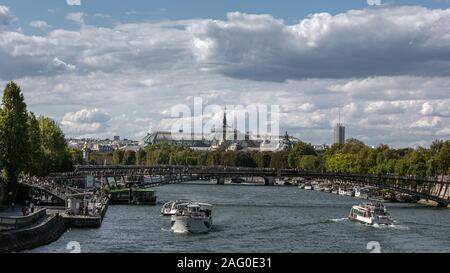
(262, 219)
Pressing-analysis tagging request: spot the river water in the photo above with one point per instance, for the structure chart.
(262, 219)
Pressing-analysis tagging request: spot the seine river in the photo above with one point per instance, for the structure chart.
(262, 219)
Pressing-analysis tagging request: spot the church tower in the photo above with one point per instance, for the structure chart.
(224, 125)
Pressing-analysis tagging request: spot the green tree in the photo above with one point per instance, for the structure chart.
(35, 161)
(76, 156)
(140, 157)
(56, 153)
(418, 163)
(344, 163)
(213, 158)
(300, 149)
(244, 159)
(443, 158)
(118, 156)
(14, 150)
(309, 163)
(129, 157)
(279, 160)
(202, 159)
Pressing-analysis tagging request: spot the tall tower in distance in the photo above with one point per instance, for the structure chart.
(224, 125)
(339, 132)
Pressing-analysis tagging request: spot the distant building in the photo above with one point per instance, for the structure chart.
(102, 148)
(179, 138)
(224, 137)
(320, 147)
(339, 133)
(116, 138)
(278, 143)
(90, 145)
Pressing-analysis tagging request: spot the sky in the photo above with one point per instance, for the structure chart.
(107, 67)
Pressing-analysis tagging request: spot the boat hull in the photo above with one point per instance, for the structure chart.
(184, 224)
(371, 221)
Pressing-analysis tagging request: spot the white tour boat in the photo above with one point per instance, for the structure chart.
(342, 191)
(309, 187)
(192, 217)
(370, 213)
(170, 208)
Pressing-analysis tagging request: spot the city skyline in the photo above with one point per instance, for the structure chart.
(102, 70)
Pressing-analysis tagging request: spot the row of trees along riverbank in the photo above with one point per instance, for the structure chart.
(29, 145)
(352, 157)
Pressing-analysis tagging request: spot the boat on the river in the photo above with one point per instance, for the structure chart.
(370, 213)
(350, 192)
(192, 217)
(279, 182)
(361, 192)
(309, 187)
(170, 208)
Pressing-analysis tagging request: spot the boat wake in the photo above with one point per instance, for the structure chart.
(338, 219)
(393, 226)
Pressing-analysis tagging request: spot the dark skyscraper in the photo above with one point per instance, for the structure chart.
(224, 125)
(339, 133)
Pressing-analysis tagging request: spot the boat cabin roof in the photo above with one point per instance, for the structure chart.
(195, 205)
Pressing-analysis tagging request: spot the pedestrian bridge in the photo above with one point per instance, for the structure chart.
(427, 188)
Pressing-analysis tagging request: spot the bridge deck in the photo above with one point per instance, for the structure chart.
(424, 187)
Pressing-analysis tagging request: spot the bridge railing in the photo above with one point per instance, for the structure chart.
(219, 169)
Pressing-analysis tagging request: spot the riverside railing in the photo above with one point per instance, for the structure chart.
(16, 222)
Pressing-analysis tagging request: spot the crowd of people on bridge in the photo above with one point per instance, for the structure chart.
(49, 186)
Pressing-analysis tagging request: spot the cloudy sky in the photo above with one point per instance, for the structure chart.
(109, 67)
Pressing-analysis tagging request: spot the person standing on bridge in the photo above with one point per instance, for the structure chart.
(31, 207)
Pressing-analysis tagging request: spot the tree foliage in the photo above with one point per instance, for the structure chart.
(14, 149)
(352, 157)
(28, 145)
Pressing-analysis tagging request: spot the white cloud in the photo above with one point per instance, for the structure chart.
(307, 107)
(57, 63)
(76, 17)
(5, 16)
(436, 108)
(394, 88)
(73, 2)
(39, 24)
(427, 123)
(85, 121)
(387, 41)
(139, 71)
(102, 15)
(389, 107)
